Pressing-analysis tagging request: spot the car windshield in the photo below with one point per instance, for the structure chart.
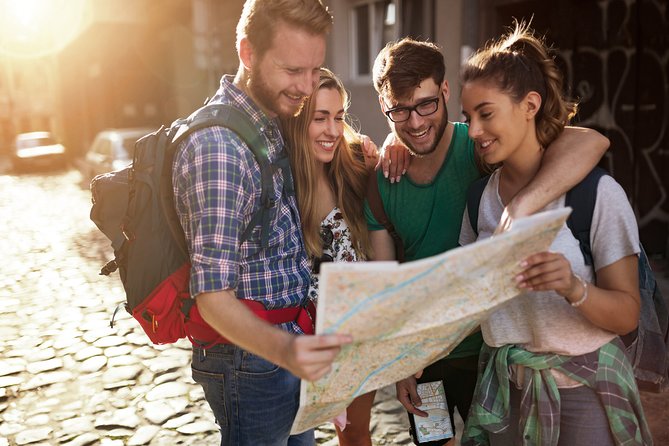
(35, 142)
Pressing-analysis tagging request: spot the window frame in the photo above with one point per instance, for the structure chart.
(375, 42)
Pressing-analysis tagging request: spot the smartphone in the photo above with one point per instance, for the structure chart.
(437, 427)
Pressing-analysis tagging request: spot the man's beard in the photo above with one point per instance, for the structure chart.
(265, 97)
(438, 135)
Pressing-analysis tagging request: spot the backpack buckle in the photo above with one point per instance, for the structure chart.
(129, 236)
(109, 268)
(127, 233)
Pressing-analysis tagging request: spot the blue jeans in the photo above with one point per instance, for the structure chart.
(583, 420)
(253, 400)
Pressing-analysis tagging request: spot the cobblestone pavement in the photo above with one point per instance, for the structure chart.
(67, 378)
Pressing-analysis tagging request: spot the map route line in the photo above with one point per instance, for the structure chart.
(380, 295)
(407, 351)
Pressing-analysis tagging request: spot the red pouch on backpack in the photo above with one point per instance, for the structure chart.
(160, 313)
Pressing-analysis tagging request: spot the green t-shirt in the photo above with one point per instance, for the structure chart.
(428, 216)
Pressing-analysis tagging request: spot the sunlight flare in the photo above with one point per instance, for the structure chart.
(35, 28)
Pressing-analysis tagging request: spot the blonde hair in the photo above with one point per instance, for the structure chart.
(346, 173)
(518, 63)
(259, 18)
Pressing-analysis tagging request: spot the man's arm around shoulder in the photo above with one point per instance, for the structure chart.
(566, 162)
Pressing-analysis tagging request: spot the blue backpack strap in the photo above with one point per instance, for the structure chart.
(581, 198)
(474, 194)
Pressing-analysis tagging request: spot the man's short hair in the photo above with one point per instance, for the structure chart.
(259, 18)
(402, 65)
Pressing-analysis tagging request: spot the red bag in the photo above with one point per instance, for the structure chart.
(169, 314)
(160, 313)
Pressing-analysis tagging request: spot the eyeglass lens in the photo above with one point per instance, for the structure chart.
(424, 108)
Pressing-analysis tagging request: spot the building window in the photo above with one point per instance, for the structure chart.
(417, 19)
(376, 22)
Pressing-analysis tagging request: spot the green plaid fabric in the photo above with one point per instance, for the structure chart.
(606, 370)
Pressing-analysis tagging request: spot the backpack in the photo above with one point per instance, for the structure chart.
(134, 207)
(648, 345)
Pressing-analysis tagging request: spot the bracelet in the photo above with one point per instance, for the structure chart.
(583, 298)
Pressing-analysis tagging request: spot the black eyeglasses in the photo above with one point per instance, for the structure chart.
(425, 108)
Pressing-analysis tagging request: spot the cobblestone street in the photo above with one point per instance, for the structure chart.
(67, 378)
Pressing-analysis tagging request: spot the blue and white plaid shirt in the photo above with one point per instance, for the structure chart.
(217, 190)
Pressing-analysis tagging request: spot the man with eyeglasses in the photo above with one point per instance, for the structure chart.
(426, 207)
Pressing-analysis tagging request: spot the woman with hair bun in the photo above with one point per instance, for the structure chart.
(553, 370)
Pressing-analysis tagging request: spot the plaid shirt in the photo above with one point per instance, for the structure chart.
(217, 190)
(606, 370)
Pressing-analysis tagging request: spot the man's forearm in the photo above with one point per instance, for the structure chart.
(307, 357)
(566, 162)
(233, 320)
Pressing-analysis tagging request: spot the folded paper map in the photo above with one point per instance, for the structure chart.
(404, 317)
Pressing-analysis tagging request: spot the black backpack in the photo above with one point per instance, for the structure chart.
(648, 345)
(134, 207)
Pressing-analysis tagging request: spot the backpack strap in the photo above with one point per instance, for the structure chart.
(376, 206)
(581, 198)
(225, 115)
(474, 194)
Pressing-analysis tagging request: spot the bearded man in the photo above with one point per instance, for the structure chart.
(251, 379)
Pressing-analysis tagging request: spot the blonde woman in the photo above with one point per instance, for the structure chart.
(330, 165)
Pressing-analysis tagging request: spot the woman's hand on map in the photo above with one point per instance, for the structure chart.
(408, 396)
(549, 271)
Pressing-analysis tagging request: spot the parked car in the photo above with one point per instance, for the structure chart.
(37, 149)
(112, 149)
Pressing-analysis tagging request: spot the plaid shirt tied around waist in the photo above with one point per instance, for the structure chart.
(606, 370)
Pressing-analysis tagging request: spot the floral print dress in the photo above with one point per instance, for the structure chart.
(337, 247)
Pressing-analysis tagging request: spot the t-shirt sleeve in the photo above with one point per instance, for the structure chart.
(614, 233)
